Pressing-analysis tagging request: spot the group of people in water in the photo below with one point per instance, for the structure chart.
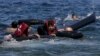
(21, 30)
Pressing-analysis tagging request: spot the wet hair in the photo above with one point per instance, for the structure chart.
(24, 21)
(14, 24)
(51, 22)
(74, 15)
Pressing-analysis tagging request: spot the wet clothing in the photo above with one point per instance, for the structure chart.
(22, 30)
(48, 25)
(14, 24)
(44, 30)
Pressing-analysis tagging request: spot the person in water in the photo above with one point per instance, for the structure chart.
(49, 28)
(12, 28)
(18, 29)
(21, 31)
(74, 16)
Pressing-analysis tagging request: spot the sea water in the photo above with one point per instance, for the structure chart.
(13, 10)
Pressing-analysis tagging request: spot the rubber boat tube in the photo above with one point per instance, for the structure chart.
(84, 22)
(31, 21)
(74, 34)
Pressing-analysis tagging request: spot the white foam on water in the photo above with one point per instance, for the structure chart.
(26, 43)
(43, 43)
(7, 44)
(89, 13)
(68, 17)
(97, 17)
(51, 41)
(70, 42)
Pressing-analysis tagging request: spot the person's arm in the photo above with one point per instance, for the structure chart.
(69, 29)
(60, 30)
(53, 35)
(66, 29)
(30, 29)
(11, 30)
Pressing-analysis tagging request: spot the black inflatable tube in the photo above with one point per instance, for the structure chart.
(84, 22)
(74, 34)
(32, 37)
(31, 21)
(1, 42)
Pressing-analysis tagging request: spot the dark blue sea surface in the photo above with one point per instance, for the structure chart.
(13, 10)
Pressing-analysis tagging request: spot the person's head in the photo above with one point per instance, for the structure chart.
(23, 21)
(50, 24)
(74, 17)
(14, 24)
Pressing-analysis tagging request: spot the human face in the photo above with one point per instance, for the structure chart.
(51, 27)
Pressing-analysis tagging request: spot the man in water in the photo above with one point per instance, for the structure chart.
(13, 27)
(74, 16)
(49, 28)
(19, 31)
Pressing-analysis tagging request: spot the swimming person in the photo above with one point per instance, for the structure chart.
(12, 28)
(49, 28)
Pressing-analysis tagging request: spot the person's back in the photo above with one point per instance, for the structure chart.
(12, 28)
(22, 30)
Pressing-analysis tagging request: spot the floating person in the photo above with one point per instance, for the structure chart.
(74, 16)
(21, 29)
(12, 28)
(49, 28)
(15, 24)
(21, 33)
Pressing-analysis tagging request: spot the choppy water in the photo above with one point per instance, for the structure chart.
(11, 10)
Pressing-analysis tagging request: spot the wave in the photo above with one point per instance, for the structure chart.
(47, 42)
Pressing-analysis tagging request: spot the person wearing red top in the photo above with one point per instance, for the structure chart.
(20, 33)
(49, 28)
(12, 28)
(22, 30)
